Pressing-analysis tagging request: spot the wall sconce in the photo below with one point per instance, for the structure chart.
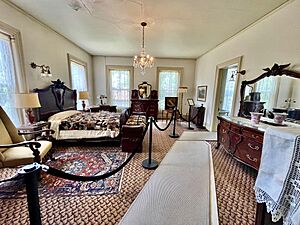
(234, 73)
(45, 70)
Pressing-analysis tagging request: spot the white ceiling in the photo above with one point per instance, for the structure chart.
(177, 28)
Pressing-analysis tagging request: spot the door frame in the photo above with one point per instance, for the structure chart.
(219, 67)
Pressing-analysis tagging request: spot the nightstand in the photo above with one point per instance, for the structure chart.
(110, 108)
(24, 129)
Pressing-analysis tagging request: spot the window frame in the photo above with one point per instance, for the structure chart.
(180, 70)
(18, 63)
(108, 79)
(74, 59)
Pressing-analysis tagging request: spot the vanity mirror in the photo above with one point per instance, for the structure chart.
(276, 90)
(144, 90)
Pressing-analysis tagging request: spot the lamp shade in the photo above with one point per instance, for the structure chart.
(182, 89)
(27, 100)
(83, 95)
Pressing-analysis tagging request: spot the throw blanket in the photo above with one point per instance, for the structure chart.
(56, 119)
(74, 124)
(137, 120)
(278, 180)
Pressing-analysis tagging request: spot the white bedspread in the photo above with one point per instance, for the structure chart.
(278, 180)
(56, 119)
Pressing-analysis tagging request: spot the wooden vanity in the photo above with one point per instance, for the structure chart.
(244, 140)
(241, 140)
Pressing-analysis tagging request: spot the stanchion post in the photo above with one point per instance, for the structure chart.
(189, 127)
(31, 173)
(150, 163)
(173, 134)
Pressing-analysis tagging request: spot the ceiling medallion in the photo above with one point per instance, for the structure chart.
(143, 61)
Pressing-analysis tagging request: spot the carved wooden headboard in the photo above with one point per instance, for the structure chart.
(55, 98)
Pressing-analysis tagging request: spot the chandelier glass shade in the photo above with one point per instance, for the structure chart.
(143, 61)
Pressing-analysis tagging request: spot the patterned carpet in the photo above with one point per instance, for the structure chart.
(234, 184)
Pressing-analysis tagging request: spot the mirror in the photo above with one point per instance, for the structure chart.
(276, 90)
(144, 90)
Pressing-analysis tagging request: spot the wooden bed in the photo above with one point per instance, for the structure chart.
(59, 98)
(55, 98)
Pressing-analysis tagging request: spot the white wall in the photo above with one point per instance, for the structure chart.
(43, 46)
(296, 94)
(100, 62)
(275, 39)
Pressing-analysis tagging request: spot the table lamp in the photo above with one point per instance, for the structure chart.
(28, 101)
(182, 90)
(83, 95)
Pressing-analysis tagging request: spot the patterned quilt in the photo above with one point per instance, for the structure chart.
(137, 120)
(101, 121)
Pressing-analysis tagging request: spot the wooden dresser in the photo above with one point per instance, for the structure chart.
(150, 106)
(241, 140)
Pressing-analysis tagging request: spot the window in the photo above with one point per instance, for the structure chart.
(267, 87)
(78, 73)
(8, 84)
(168, 84)
(120, 84)
(229, 89)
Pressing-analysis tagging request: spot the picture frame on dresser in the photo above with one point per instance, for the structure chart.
(201, 93)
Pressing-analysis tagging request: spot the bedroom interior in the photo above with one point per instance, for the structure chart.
(101, 80)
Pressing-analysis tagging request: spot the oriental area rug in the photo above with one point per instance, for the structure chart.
(78, 162)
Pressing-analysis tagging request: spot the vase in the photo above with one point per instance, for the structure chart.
(255, 117)
(279, 117)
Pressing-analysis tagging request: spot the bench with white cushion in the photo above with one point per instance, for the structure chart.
(180, 192)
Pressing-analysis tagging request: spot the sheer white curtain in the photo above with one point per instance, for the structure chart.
(169, 82)
(120, 87)
(8, 84)
(79, 81)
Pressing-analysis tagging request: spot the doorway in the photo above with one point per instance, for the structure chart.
(227, 89)
(227, 82)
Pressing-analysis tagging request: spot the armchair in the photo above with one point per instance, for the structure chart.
(14, 150)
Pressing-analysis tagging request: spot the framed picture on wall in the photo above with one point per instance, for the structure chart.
(201, 93)
(190, 102)
(171, 102)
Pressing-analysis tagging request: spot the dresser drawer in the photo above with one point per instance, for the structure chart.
(224, 140)
(224, 123)
(235, 128)
(223, 130)
(249, 151)
(259, 137)
(251, 145)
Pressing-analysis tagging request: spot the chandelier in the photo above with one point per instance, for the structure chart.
(143, 61)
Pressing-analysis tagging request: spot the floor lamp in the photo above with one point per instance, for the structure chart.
(181, 91)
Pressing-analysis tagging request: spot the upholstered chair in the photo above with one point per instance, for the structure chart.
(14, 149)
